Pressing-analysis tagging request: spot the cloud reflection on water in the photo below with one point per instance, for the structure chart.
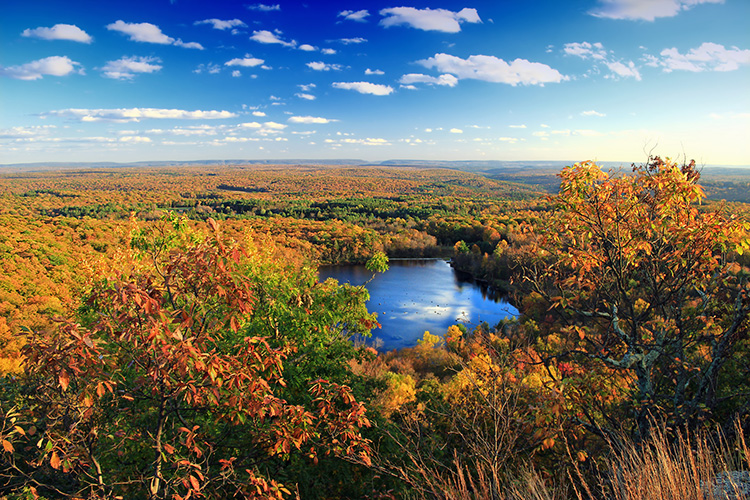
(415, 296)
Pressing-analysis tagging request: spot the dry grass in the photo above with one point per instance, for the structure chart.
(682, 468)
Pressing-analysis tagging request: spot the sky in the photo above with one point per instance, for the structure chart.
(180, 80)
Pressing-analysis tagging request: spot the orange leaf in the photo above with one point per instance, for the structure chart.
(64, 380)
(7, 446)
(54, 460)
(194, 482)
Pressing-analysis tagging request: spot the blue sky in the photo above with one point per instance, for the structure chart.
(608, 80)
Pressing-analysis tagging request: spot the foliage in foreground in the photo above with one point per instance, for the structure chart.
(172, 385)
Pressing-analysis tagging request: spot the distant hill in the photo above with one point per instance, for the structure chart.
(731, 183)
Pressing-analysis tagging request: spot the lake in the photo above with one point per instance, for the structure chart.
(418, 295)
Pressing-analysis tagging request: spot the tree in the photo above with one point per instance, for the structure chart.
(639, 282)
(166, 389)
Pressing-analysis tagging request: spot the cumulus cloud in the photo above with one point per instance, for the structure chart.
(210, 68)
(429, 19)
(310, 120)
(517, 126)
(708, 57)
(307, 87)
(149, 33)
(126, 68)
(646, 10)
(327, 52)
(351, 15)
(456, 131)
(134, 138)
(25, 132)
(592, 113)
(369, 141)
(350, 41)
(624, 70)
(34, 70)
(247, 62)
(597, 53)
(369, 71)
(447, 80)
(123, 115)
(219, 24)
(321, 66)
(59, 32)
(258, 113)
(364, 87)
(265, 36)
(586, 50)
(307, 97)
(307, 47)
(264, 8)
(493, 69)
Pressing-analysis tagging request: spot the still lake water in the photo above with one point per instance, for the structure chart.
(418, 295)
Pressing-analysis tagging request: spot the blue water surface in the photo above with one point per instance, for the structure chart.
(418, 295)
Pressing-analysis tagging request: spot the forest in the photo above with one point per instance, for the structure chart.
(164, 335)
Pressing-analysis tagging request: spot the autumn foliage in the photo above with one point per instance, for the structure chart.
(161, 389)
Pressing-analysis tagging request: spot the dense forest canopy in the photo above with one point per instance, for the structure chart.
(163, 333)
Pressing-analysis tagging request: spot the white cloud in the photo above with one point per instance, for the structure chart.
(448, 80)
(327, 52)
(351, 15)
(59, 32)
(236, 73)
(258, 113)
(247, 62)
(264, 8)
(307, 47)
(134, 138)
(310, 120)
(584, 50)
(369, 141)
(429, 19)
(647, 10)
(126, 68)
(517, 126)
(265, 36)
(321, 66)
(25, 132)
(34, 70)
(456, 131)
(123, 115)
(349, 41)
(624, 70)
(708, 57)
(591, 112)
(369, 71)
(210, 68)
(493, 69)
(307, 87)
(149, 33)
(250, 124)
(222, 25)
(307, 97)
(600, 55)
(511, 140)
(364, 87)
